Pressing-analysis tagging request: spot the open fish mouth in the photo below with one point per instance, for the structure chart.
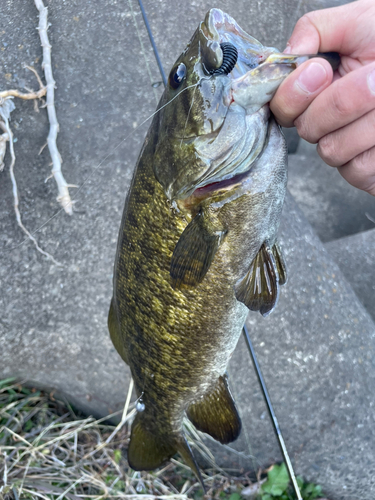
(251, 74)
(223, 30)
(256, 64)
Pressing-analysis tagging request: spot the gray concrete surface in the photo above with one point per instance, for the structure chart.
(53, 322)
(355, 256)
(333, 207)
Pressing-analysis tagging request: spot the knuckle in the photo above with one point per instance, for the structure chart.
(282, 113)
(278, 111)
(328, 150)
(303, 129)
(304, 21)
(362, 170)
(362, 162)
(286, 120)
(341, 106)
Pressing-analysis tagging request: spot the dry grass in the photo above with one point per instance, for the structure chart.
(48, 452)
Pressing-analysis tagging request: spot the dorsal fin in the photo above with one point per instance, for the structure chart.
(194, 252)
(259, 289)
(216, 413)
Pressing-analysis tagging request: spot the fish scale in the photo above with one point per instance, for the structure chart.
(197, 244)
(138, 280)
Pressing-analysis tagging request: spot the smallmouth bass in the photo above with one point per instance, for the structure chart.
(197, 245)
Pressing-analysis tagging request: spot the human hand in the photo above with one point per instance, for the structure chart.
(337, 111)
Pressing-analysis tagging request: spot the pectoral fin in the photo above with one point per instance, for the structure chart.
(216, 414)
(259, 289)
(280, 263)
(195, 251)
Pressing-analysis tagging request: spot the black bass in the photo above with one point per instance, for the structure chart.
(197, 246)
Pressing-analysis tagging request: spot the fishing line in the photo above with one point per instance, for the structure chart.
(245, 331)
(255, 461)
(187, 118)
(100, 164)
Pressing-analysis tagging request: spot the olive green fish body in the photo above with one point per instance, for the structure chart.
(197, 246)
(178, 342)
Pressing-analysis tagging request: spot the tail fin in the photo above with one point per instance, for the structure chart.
(149, 450)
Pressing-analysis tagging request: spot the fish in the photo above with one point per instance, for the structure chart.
(197, 245)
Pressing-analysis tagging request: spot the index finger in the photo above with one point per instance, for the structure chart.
(331, 29)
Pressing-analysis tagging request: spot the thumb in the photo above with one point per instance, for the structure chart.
(300, 88)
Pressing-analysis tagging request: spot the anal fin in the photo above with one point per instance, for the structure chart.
(195, 251)
(216, 414)
(259, 289)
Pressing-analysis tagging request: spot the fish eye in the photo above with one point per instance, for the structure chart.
(177, 75)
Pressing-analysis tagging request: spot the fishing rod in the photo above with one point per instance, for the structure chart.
(158, 60)
(262, 382)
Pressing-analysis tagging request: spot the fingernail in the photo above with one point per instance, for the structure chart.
(312, 78)
(371, 81)
(288, 49)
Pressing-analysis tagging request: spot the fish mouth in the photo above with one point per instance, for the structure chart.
(255, 62)
(218, 27)
(255, 65)
(221, 28)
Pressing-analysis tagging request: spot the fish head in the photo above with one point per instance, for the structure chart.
(223, 77)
